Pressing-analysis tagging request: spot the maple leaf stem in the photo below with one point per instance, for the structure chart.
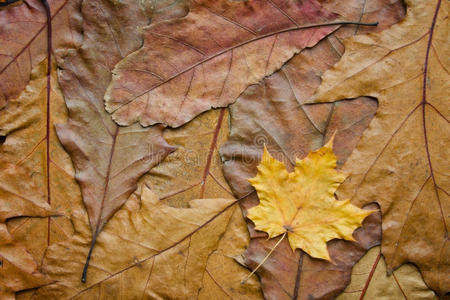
(264, 260)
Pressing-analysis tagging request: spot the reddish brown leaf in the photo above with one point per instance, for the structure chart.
(208, 58)
(108, 159)
(23, 36)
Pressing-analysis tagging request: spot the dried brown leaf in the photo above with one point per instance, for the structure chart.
(31, 145)
(108, 159)
(18, 270)
(195, 171)
(208, 58)
(165, 252)
(370, 281)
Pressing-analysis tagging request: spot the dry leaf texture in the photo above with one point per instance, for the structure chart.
(221, 275)
(195, 171)
(18, 269)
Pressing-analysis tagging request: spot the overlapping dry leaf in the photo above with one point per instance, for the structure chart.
(19, 196)
(208, 58)
(31, 146)
(164, 251)
(19, 193)
(402, 160)
(221, 275)
(28, 125)
(215, 281)
(108, 159)
(194, 171)
(195, 257)
(370, 281)
(23, 40)
(26, 122)
(18, 270)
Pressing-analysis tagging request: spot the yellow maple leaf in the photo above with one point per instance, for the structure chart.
(302, 203)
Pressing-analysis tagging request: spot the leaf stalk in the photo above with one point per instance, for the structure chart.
(88, 258)
(264, 260)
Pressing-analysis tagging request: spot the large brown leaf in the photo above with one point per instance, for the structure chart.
(19, 196)
(108, 159)
(273, 113)
(23, 40)
(149, 250)
(208, 58)
(402, 160)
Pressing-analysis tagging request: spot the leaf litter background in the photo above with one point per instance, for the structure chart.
(196, 255)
